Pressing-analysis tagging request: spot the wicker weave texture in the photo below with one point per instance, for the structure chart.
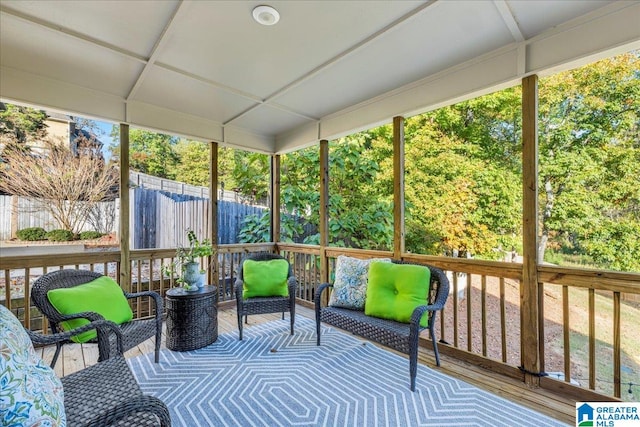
(134, 332)
(403, 337)
(192, 319)
(107, 394)
(264, 305)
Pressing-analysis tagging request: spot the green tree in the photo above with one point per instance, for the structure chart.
(193, 164)
(589, 162)
(149, 152)
(21, 125)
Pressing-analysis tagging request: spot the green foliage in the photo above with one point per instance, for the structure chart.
(60, 235)
(91, 234)
(255, 229)
(32, 234)
(149, 152)
(193, 164)
(590, 161)
(21, 124)
(196, 249)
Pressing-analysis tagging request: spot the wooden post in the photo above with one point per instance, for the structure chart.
(324, 209)
(275, 198)
(15, 215)
(213, 212)
(529, 288)
(398, 187)
(125, 259)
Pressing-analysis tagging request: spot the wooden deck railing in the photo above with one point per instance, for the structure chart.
(584, 314)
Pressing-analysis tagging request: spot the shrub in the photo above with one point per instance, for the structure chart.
(32, 233)
(60, 235)
(88, 235)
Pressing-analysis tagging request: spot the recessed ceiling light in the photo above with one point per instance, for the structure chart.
(266, 15)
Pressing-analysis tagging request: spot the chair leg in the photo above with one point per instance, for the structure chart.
(158, 342)
(283, 315)
(240, 326)
(56, 354)
(435, 345)
(413, 365)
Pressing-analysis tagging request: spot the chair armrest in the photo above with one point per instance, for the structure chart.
(318, 296)
(157, 299)
(91, 316)
(104, 327)
(134, 405)
(292, 284)
(238, 286)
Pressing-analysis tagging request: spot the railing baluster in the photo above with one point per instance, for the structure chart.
(469, 315)
(566, 333)
(483, 311)
(617, 366)
(503, 321)
(455, 308)
(592, 339)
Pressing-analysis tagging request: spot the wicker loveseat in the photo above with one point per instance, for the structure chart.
(403, 337)
(104, 394)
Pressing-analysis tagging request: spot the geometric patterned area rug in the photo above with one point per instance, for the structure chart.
(271, 378)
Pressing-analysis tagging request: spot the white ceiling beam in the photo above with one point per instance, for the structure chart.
(509, 19)
(155, 51)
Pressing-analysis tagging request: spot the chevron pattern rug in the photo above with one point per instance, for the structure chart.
(271, 378)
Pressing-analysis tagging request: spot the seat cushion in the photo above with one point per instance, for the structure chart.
(265, 278)
(350, 285)
(102, 295)
(30, 392)
(395, 290)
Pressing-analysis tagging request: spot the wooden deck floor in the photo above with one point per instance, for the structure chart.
(78, 356)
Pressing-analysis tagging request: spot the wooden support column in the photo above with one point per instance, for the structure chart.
(275, 198)
(213, 211)
(324, 209)
(125, 258)
(398, 187)
(529, 288)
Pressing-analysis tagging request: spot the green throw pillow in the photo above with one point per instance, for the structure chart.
(265, 278)
(102, 295)
(395, 290)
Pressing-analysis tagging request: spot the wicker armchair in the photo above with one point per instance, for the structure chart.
(262, 305)
(133, 332)
(402, 337)
(105, 394)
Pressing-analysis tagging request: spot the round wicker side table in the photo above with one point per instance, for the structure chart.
(192, 318)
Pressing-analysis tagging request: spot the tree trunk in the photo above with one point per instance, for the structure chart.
(548, 208)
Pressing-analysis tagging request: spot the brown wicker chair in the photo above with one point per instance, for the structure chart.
(402, 337)
(133, 333)
(105, 394)
(263, 305)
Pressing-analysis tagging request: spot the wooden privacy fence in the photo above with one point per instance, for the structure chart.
(161, 219)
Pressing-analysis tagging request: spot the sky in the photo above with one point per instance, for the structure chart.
(105, 137)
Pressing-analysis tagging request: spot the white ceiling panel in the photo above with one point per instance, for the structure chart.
(534, 17)
(271, 118)
(65, 58)
(171, 90)
(221, 42)
(204, 68)
(131, 25)
(460, 31)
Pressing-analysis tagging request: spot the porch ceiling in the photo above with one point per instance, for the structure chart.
(206, 70)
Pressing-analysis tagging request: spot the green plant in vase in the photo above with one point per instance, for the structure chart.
(188, 261)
